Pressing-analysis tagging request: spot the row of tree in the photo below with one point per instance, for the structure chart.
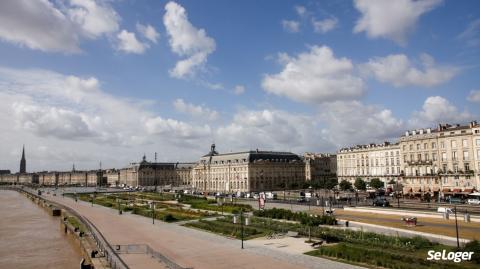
(331, 183)
(360, 184)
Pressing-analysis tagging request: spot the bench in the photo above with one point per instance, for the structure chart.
(292, 234)
(317, 244)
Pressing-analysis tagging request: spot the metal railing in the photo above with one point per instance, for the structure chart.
(103, 246)
(146, 249)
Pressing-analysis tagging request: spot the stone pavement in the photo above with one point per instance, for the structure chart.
(189, 247)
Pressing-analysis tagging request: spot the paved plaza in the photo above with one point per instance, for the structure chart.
(190, 247)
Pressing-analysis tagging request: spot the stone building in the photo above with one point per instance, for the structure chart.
(441, 161)
(249, 171)
(320, 166)
(155, 174)
(380, 161)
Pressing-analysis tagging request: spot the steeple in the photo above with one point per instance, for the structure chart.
(23, 162)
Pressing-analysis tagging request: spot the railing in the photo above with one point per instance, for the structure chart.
(103, 246)
(146, 249)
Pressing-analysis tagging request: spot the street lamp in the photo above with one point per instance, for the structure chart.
(153, 212)
(241, 224)
(456, 227)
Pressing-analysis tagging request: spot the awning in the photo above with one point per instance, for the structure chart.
(468, 190)
(436, 189)
(446, 190)
(417, 189)
(407, 189)
(457, 190)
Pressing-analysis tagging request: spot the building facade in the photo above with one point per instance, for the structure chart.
(380, 161)
(250, 171)
(442, 161)
(319, 166)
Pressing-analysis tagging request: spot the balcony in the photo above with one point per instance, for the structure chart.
(421, 162)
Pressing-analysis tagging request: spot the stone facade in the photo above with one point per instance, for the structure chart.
(319, 166)
(380, 161)
(250, 171)
(442, 161)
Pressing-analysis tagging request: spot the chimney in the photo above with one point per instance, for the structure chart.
(407, 133)
(429, 130)
(473, 123)
(421, 131)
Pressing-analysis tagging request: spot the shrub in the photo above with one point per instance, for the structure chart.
(475, 247)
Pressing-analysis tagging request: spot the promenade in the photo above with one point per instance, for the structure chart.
(188, 247)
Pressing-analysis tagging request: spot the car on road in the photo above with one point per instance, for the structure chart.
(301, 200)
(381, 201)
(474, 198)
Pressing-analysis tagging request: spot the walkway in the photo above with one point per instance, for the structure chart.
(189, 247)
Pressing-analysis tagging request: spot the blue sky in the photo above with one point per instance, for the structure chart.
(83, 81)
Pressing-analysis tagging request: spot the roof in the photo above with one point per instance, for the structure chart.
(253, 155)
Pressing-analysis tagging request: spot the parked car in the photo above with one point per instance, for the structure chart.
(474, 198)
(380, 201)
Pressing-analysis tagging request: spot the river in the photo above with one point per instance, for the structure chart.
(31, 238)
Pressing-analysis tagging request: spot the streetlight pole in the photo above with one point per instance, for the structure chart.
(241, 223)
(456, 227)
(153, 212)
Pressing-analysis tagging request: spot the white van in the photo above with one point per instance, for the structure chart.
(445, 210)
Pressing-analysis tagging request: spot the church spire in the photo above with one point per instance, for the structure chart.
(23, 162)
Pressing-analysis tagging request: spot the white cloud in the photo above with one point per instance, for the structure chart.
(398, 70)
(391, 19)
(474, 96)
(37, 25)
(472, 33)
(271, 129)
(186, 41)
(315, 76)
(239, 89)
(195, 111)
(128, 42)
(94, 17)
(351, 122)
(73, 117)
(291, 26)
(437, 109)
(324, 26)
(301, 11)
(148, 32)
(54, 26)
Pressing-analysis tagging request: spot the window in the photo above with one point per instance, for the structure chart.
(454, 143)
(454, 155)
(404, 147)
(478, 142)
(434, 145)
(427, 158)
(467, 167)
(442, 145)
(434, 156)
(444, 168)
(419, 157)
(465, 156)
(478, 154)
(444, 156)
(418, 146)
(411, 146)
(465, 143)
(425, 146)
(455, 168)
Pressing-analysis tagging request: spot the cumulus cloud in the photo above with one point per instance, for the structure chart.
(437, 109)
(271, 129)
(400, 71)
(352, 122)
(175, 129)
(239, 89)
(148, 32)
(301, 11)
(324, 26)
(315, 76)
(186, 41)
(474, 96)
(291, 26)
(391, 19)
(128, 42)
(95, 18)
(199, 111)
(37, 25)
(52, 27)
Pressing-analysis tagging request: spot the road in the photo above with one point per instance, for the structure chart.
(188, 247)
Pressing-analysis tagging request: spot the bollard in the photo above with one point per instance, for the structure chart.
(466, 217)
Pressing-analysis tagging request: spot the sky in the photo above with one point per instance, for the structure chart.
(90, 81)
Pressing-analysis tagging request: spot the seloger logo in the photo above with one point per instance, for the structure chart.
(450, 256)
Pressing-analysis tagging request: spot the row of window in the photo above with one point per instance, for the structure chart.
(433, 145)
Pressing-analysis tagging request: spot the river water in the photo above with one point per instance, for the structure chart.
(31, 238)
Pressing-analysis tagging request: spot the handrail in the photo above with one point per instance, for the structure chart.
(146, 249)
(112, 257)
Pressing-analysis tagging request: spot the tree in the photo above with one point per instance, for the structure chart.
(391, 182)
(360, 184)
(376, 183)
(330, 183)
(345, 185)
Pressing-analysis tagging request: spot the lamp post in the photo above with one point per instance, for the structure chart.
(153, 212)
(241, 224)
(456, 227)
